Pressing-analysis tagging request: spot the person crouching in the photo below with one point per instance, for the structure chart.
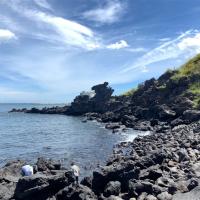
(27, 170)
(76, 172)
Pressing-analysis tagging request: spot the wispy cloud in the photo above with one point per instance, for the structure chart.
(118, 45)
(6, 35)
(190, 42)
(186, 45)
(43, 4)
(71, 32)
(61, 31)
(137, 50)
(107, 14)
(164, 39)
(57, 29)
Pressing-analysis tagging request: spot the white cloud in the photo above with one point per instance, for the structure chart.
(118, 45)
(144, 69)
(110, 13)
(57, 29)
(63, 32)
(6, 35)
(43, 4)
(164, 39)
(186, 45)
(71, 32)
(190, 42)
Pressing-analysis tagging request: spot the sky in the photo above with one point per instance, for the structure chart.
(51, 50)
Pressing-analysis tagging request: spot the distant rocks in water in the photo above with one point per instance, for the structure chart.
(24, 110)
(52, 110)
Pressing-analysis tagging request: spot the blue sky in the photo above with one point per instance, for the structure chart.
(51, 50)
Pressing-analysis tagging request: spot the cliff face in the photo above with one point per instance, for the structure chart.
(172, 99)
(170, 95)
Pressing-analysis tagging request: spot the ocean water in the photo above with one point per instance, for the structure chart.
(65, 138)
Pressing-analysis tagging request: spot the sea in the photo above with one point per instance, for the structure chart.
(64, 138)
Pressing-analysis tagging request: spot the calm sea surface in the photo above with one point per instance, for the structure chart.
(29, 136)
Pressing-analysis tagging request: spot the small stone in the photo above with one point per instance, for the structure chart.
(150, 197)
(164, 196)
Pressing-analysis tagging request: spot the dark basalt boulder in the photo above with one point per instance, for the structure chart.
(9, 176)
(41, 186)
(138, 187)
(87, 181)
(12, 169)
(164, 112)
(34, 110)
(119, 171)
(78, 192)
(44, 164)
(24, 110)
(191, 115)
(112, 188)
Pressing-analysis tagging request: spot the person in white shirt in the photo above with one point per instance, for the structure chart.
(76, 171)
(27, 170)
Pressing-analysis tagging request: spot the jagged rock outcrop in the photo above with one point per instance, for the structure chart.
(157, 166)
(9, 176)
(96, 101)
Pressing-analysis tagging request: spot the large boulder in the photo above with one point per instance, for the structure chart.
(165, 112)
(9, 176)
(122, 172)
(191, 115)
(79, 192)
(40, 186)
(112, 188)
(87, 181)
(192, 195)
(137, 187)
(44, 164)
(12, 170)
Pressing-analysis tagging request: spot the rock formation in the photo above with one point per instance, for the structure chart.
(164, 165)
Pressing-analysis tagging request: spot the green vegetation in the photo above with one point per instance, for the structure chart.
(162, 87)
(195, 90)
(130, 92)
(191, 85)
(190, 68)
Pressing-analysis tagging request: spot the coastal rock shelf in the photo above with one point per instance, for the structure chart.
(158, 166)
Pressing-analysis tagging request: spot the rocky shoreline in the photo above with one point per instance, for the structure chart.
(163, 166)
